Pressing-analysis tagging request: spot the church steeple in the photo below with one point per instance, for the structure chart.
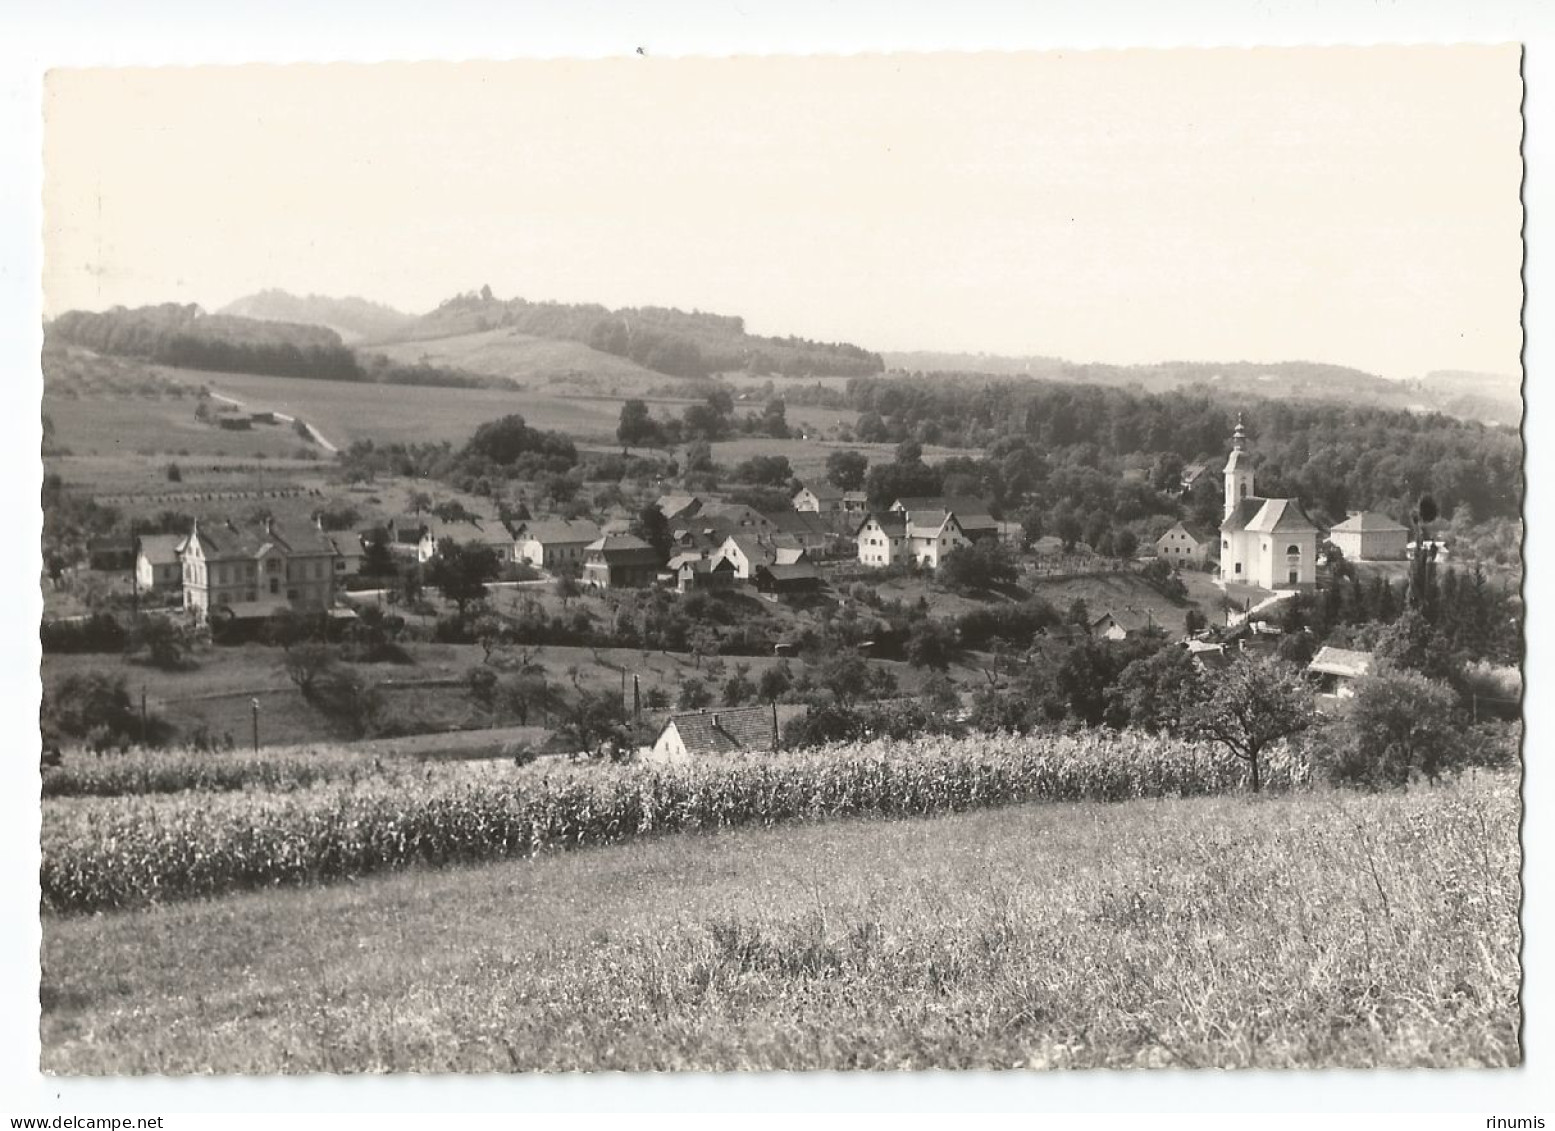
(1239, 470)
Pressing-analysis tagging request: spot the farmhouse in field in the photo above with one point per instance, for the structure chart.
(620, 561)
(1371, 536)
(1335, 670)
(720, 730)
(1108, 627)
(159, 563)
(252, 571)
(1265, 542)
(1183, 543)
(555, 542)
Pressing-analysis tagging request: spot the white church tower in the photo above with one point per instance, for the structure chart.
(1239, 470)
(1269, 543)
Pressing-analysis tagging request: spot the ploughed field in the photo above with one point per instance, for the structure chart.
(875, 906)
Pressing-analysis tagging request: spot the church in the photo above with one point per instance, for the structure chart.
(1270, 543)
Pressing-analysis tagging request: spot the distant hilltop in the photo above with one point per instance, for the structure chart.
(354, 319)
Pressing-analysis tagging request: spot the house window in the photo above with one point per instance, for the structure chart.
(1293, 550)
(291, 594)
(1238, 567)
(275, 585)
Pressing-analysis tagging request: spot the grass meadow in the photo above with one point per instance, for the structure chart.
(1309, 929)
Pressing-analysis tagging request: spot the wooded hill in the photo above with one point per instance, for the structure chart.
(663, 339)
(1491, 398)
(352, 318)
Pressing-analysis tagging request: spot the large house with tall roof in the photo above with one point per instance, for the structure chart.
(1270, 543)
(253, 571)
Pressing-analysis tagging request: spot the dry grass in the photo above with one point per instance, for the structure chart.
(1298, 931)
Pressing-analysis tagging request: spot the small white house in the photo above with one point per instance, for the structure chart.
(715, 730)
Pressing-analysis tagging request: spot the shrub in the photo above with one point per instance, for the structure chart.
(1399, 724)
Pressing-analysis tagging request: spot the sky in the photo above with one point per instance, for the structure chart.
(1357, 206)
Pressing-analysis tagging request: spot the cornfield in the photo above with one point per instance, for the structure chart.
(104, 853)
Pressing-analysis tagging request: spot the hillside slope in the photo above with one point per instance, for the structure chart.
(528, 361)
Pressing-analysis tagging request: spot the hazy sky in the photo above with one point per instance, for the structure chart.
(1354, 205)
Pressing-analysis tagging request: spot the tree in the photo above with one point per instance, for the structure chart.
(566, 586)
(1158, 693)
(175, 473)
(94, 707)
(637, 429)
(377, 558)
(1194, 621)
(653, 528)
(774, 682)
(982, 565)
(420, 502)
(931, 644)
(165, 642)
(699, 456)
(845, 470)
(846, 675)
(1398, 723)
(460, 572)
(307, 664)
(693, 694)
(909, 452)
(1253, 703)
(738, 688)
(939, 692)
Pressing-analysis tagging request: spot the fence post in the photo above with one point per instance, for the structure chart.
(254, 705)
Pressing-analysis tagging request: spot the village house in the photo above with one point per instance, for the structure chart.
(348, 552)
(696, 569)
(787, 579)
(1270, 543)
(882, 540)
(1192, 474)
(746, 552)
(823, 498)
(1184, 543)
(720, 730)
(555, 542)
(679, 506)
(620, 561)
(805, 528)
(972, 517)
(159, 564)
(1335, 670)
(253, 571)
(1369, 536)
(1107, 627)
(434, 531)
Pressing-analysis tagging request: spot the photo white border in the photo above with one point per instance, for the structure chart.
(101, 33)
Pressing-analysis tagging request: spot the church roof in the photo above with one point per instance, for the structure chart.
(1281, 516)
(1246, 510)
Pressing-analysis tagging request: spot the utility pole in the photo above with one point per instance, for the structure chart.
(254, 706)
(143, 714)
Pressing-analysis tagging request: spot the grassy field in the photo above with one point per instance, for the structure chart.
(1306, 930)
